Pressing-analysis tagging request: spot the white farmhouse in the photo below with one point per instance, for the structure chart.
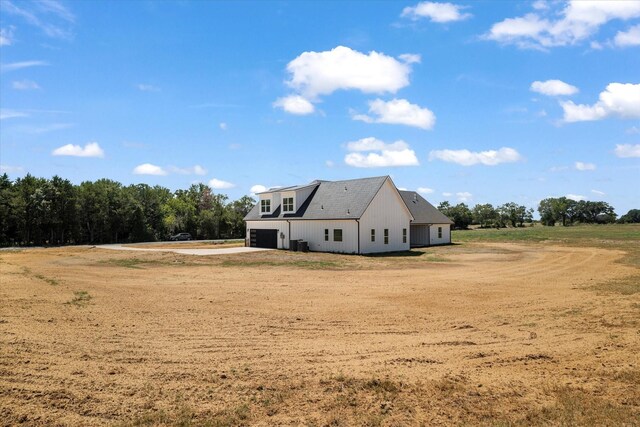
(358, 216)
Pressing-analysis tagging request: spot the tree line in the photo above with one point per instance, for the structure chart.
(552, 211)
(37, 211)
(486, 216)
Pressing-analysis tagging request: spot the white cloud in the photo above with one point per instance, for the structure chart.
(581, 166)
(540, 5)
(24, 85)
(223, 126)
(596, 45)
(380, 154)
(628, 38)
(619, 99)
(375, 144)
(398, 111)
(445, 194)
(549, 27)
(469, 158)
(20, 65)
(6, 36)
(633, 130)
(10, 114)
(50, 16)
(410, 58)
(147, 88)
(425, 190)
(553, 88)
(519, 31)
(11, 169)
(193, 170)
(295, 104)
(575, 197)
(322, 73)
(329, 163)
(383, 159)
(257, 189)
(91, 149)
(149, 169)
(435, 12)
(218, 184)
(627, 150)
(464, 196)
(599, 193)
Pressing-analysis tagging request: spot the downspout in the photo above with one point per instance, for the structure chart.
(358, 221)
(289, 236)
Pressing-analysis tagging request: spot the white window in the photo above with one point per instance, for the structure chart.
(404, 235)
(337, 235)
(439, 232)
(386, 236)
(326, 234)
(287, 204)
(373, 234)
(265, 206)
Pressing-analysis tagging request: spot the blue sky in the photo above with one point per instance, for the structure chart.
(481, 102)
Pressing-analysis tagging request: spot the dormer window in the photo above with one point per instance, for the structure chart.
(287, 204)
(265, 206)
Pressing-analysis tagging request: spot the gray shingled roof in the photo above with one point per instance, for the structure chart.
(423, 212)
(330, 200)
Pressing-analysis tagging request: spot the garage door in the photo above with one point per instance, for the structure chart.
(264, 238)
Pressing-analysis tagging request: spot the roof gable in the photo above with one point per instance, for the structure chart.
(423, 212)
(346, 199)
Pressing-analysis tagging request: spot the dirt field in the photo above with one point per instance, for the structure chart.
(476, 333)
(188, 245)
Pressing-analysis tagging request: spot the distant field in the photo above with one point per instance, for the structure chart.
(615, 236)
(517, 327)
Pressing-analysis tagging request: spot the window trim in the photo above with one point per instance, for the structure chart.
(265, 206)
(439, 232)
(373, 234)
(287, 202)
(335, 235)
(404, 235)
(386, 236)
(326, 234)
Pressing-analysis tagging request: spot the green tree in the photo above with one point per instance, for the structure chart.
(485, 215)
(631, 217)
(460, 214)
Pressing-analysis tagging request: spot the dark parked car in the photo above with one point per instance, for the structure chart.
(181, 236)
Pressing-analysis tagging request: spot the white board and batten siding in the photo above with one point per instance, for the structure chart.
(314, 233)
(446, 234)
(384, 212)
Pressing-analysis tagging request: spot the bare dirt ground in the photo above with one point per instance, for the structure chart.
(493, 334)
(187, 245)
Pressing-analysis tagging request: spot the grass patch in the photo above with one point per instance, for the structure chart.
(574, 407)
(139, 263)
(627, 286)
(610, 236)
(80, 299)
(185, 416)
(49, 280)
(539, 233)
(134, 263)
